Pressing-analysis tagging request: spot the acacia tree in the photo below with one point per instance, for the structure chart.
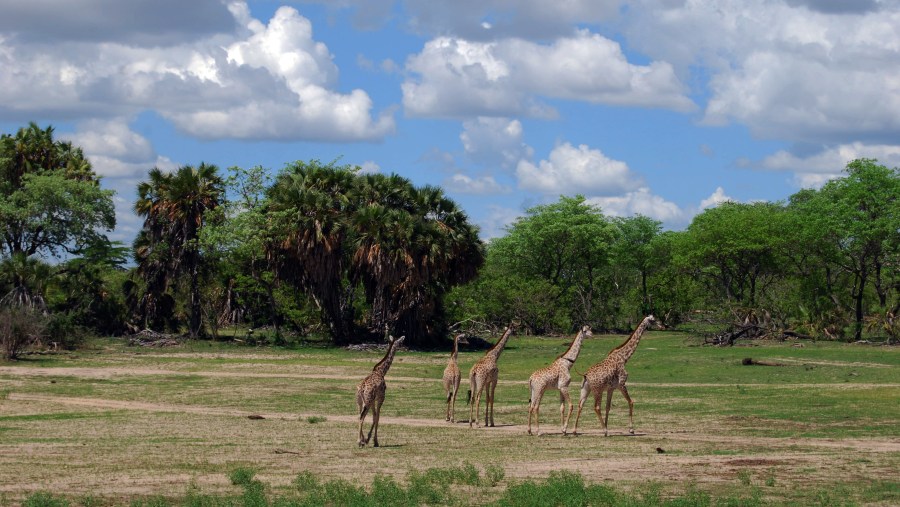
(634, 249)
(50, 198)
(340, 235)
(174, 207)
(565, 245)
(732, 247)
(856, 223)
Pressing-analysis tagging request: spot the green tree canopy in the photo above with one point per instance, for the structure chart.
(335, 232)
(565, 245)
(174, 207)
(854, 223)
(50, 198)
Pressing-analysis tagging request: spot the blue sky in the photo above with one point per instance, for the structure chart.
(657, 107)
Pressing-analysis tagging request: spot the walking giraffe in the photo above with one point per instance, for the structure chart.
(452, 378)
(483, 378)
(370, 391)
(610, 375)
(555, 376)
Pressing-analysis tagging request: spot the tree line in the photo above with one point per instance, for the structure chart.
(323, 248)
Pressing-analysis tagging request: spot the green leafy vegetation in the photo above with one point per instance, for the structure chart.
(433, 488)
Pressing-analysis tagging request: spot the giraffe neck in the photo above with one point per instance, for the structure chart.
(455, 353)
(383, 365)
(623, 352)
(571, 355)
(497, 349)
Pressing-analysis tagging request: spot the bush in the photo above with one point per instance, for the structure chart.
(20, 328)
(44, 499)
(62, 331)
(242, 476)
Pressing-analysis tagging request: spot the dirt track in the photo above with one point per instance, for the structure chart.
(107, 373)
(867, 445)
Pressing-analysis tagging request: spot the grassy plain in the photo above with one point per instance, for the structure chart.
(118, 424)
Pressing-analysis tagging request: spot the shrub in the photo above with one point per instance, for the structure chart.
(20, 328)
(493, 474)
(241, 476)
(44, 499)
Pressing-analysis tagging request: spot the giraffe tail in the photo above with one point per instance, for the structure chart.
(449, 396)
(529, 391)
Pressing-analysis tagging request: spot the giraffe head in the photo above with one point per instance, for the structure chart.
(396, 341)
(586, 331)
(652, 322)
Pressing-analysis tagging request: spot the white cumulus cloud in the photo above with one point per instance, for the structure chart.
(255, 81)
(717, 198)
(813, 171)
(802, 70)
(465, 184)
(577, 170)
(455, 77)
(494, 141)
(639, 202)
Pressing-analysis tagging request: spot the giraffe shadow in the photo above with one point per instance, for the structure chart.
(391, 446)
(599, 434)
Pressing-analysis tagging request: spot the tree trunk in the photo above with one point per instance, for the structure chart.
(196, 323)
(859, 302)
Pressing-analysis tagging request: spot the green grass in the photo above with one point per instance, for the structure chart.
(435, 487)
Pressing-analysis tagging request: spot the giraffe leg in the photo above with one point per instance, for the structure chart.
(449, 398)
(530, 405)
(609, 393)
(475, 406)
(565, 399)
(473, 395)
(362, 417)
(453, 404)
(534, 408)
(598, 400)
(630, 408)
(376, 416)
(487, 405)
(493, 387)
(585, 392)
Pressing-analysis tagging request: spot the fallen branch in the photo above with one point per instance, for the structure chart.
(752, 362)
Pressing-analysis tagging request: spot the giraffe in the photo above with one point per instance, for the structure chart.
(452, 378)
(483, 377)
(609, 375)
(370, 391)
(555, 376)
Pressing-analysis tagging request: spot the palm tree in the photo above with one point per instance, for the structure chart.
(27, 279)
(307, 207)
(173, 206)
(404, 247)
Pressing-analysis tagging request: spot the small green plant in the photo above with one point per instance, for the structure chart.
(493, 474)
(45, 499)
(744, 477)
(468, 474)
(242, 476)
(306, 481)
(155, 501)
(315, 419)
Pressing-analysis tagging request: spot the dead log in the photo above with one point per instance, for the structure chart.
(748, 361)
